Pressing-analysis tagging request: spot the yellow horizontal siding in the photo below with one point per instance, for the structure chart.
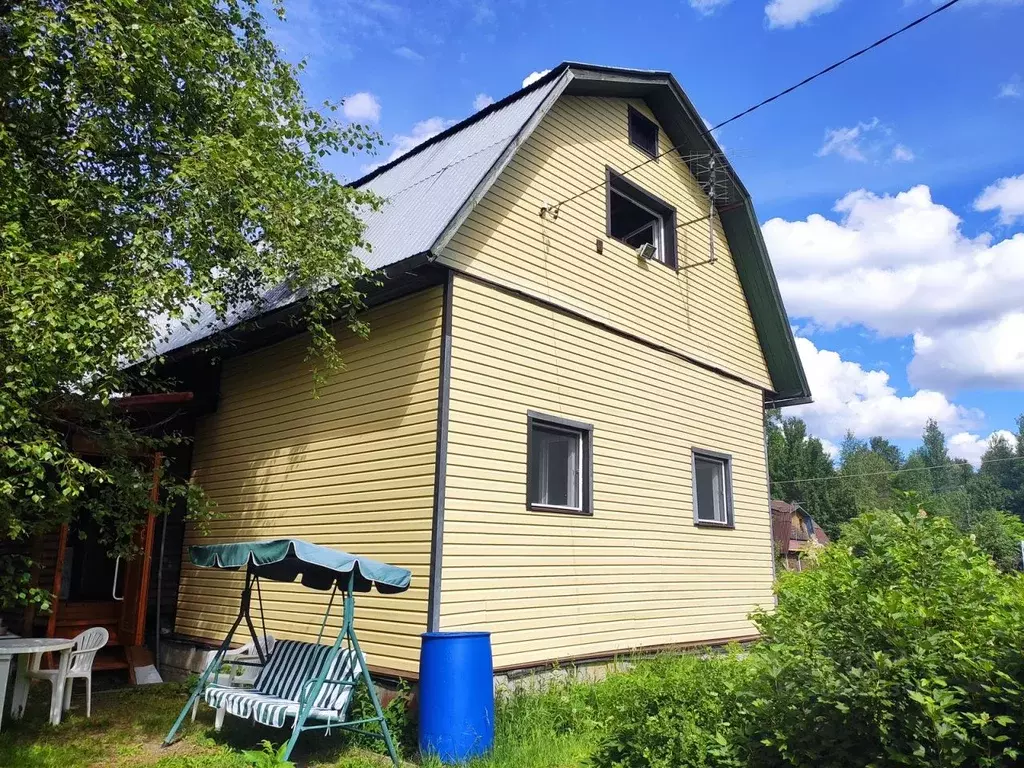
(701, 311)
(637, 573)
(352, 469)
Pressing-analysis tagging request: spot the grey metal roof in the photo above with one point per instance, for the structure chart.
(424, 190)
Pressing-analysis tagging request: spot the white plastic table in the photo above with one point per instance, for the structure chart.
(25, 648)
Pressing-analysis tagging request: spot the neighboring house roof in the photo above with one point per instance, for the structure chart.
(819, 534)
(783, 533)
(433, 188)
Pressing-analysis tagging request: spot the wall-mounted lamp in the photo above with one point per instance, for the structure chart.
(646, 251)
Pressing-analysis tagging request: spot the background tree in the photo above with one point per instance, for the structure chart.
(887, 450)
(153, 155)
(866, 478)
(801, 471)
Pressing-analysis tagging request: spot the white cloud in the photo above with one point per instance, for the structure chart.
(533, 77)
(990, 355)
(1006, 196)
(362, 106)
(900, 265)
(871, 140)
(846, 396)
(901, 154)
(965, 445)
(789, 13)
(422, 131)
(830, 448)
(708, 7)
(406, 52)
(846, 142)
(1012, 89)
(481, 101)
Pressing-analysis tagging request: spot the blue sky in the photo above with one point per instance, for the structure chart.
(891, 191)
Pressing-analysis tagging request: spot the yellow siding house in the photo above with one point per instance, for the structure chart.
(557, 421)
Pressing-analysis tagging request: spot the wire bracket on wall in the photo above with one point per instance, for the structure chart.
(549, 211)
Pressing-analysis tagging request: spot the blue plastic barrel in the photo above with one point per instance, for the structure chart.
(456, 696)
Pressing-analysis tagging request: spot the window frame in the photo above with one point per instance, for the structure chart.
(586, 433)
(632, 113)
(617, 184)
(725, 459)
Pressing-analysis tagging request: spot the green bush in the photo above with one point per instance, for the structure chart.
(672, 712)
(903, 647)
(398, 713)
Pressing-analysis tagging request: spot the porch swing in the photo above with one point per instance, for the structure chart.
(309, 682)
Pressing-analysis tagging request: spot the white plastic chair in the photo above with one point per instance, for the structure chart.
(238, 675)
(83, 654)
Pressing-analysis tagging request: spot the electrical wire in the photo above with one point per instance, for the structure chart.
(984, 463)
(779, 95)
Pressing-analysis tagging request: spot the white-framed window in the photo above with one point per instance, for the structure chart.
(559, 464)
(712, 488)
(638, 218)
(635, 224)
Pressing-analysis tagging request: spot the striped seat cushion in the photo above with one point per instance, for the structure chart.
(275, 694)
(267, 710)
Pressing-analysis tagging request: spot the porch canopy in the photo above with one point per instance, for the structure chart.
(317, 566)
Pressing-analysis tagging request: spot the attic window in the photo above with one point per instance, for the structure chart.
(643, 133)
(638, 218)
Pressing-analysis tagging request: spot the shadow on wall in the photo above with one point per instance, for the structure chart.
(351, 469)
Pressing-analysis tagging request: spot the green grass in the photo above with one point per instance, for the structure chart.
(127, 730)
(557, 728)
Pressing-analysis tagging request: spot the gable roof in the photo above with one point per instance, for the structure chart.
(432, 189)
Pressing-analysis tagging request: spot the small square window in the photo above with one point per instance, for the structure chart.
(638, 218)
(643, 133)
(712, 489)
(559, 465)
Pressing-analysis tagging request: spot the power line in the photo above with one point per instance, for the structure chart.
(895, 471)
(779, 95)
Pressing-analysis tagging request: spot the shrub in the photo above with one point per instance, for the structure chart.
(903, 647)
(671, 713)
(398, 713)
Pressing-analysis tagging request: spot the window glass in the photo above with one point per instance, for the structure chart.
(556, 467)
(643, 133)
(634, 224)
(710, 493)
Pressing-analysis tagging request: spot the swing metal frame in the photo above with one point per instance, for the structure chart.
(311, 688)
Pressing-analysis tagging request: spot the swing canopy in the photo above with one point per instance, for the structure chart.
(317, 566)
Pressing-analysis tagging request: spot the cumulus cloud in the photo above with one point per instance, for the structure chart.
(1005, 196)
(707, 7)
(846, 396)
(481, 101)
(361, 106)
(789, 13)
(1012, 89)
(533, 77)
(966, 445)
(406, 52)
(901, 266)
(989, 355)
